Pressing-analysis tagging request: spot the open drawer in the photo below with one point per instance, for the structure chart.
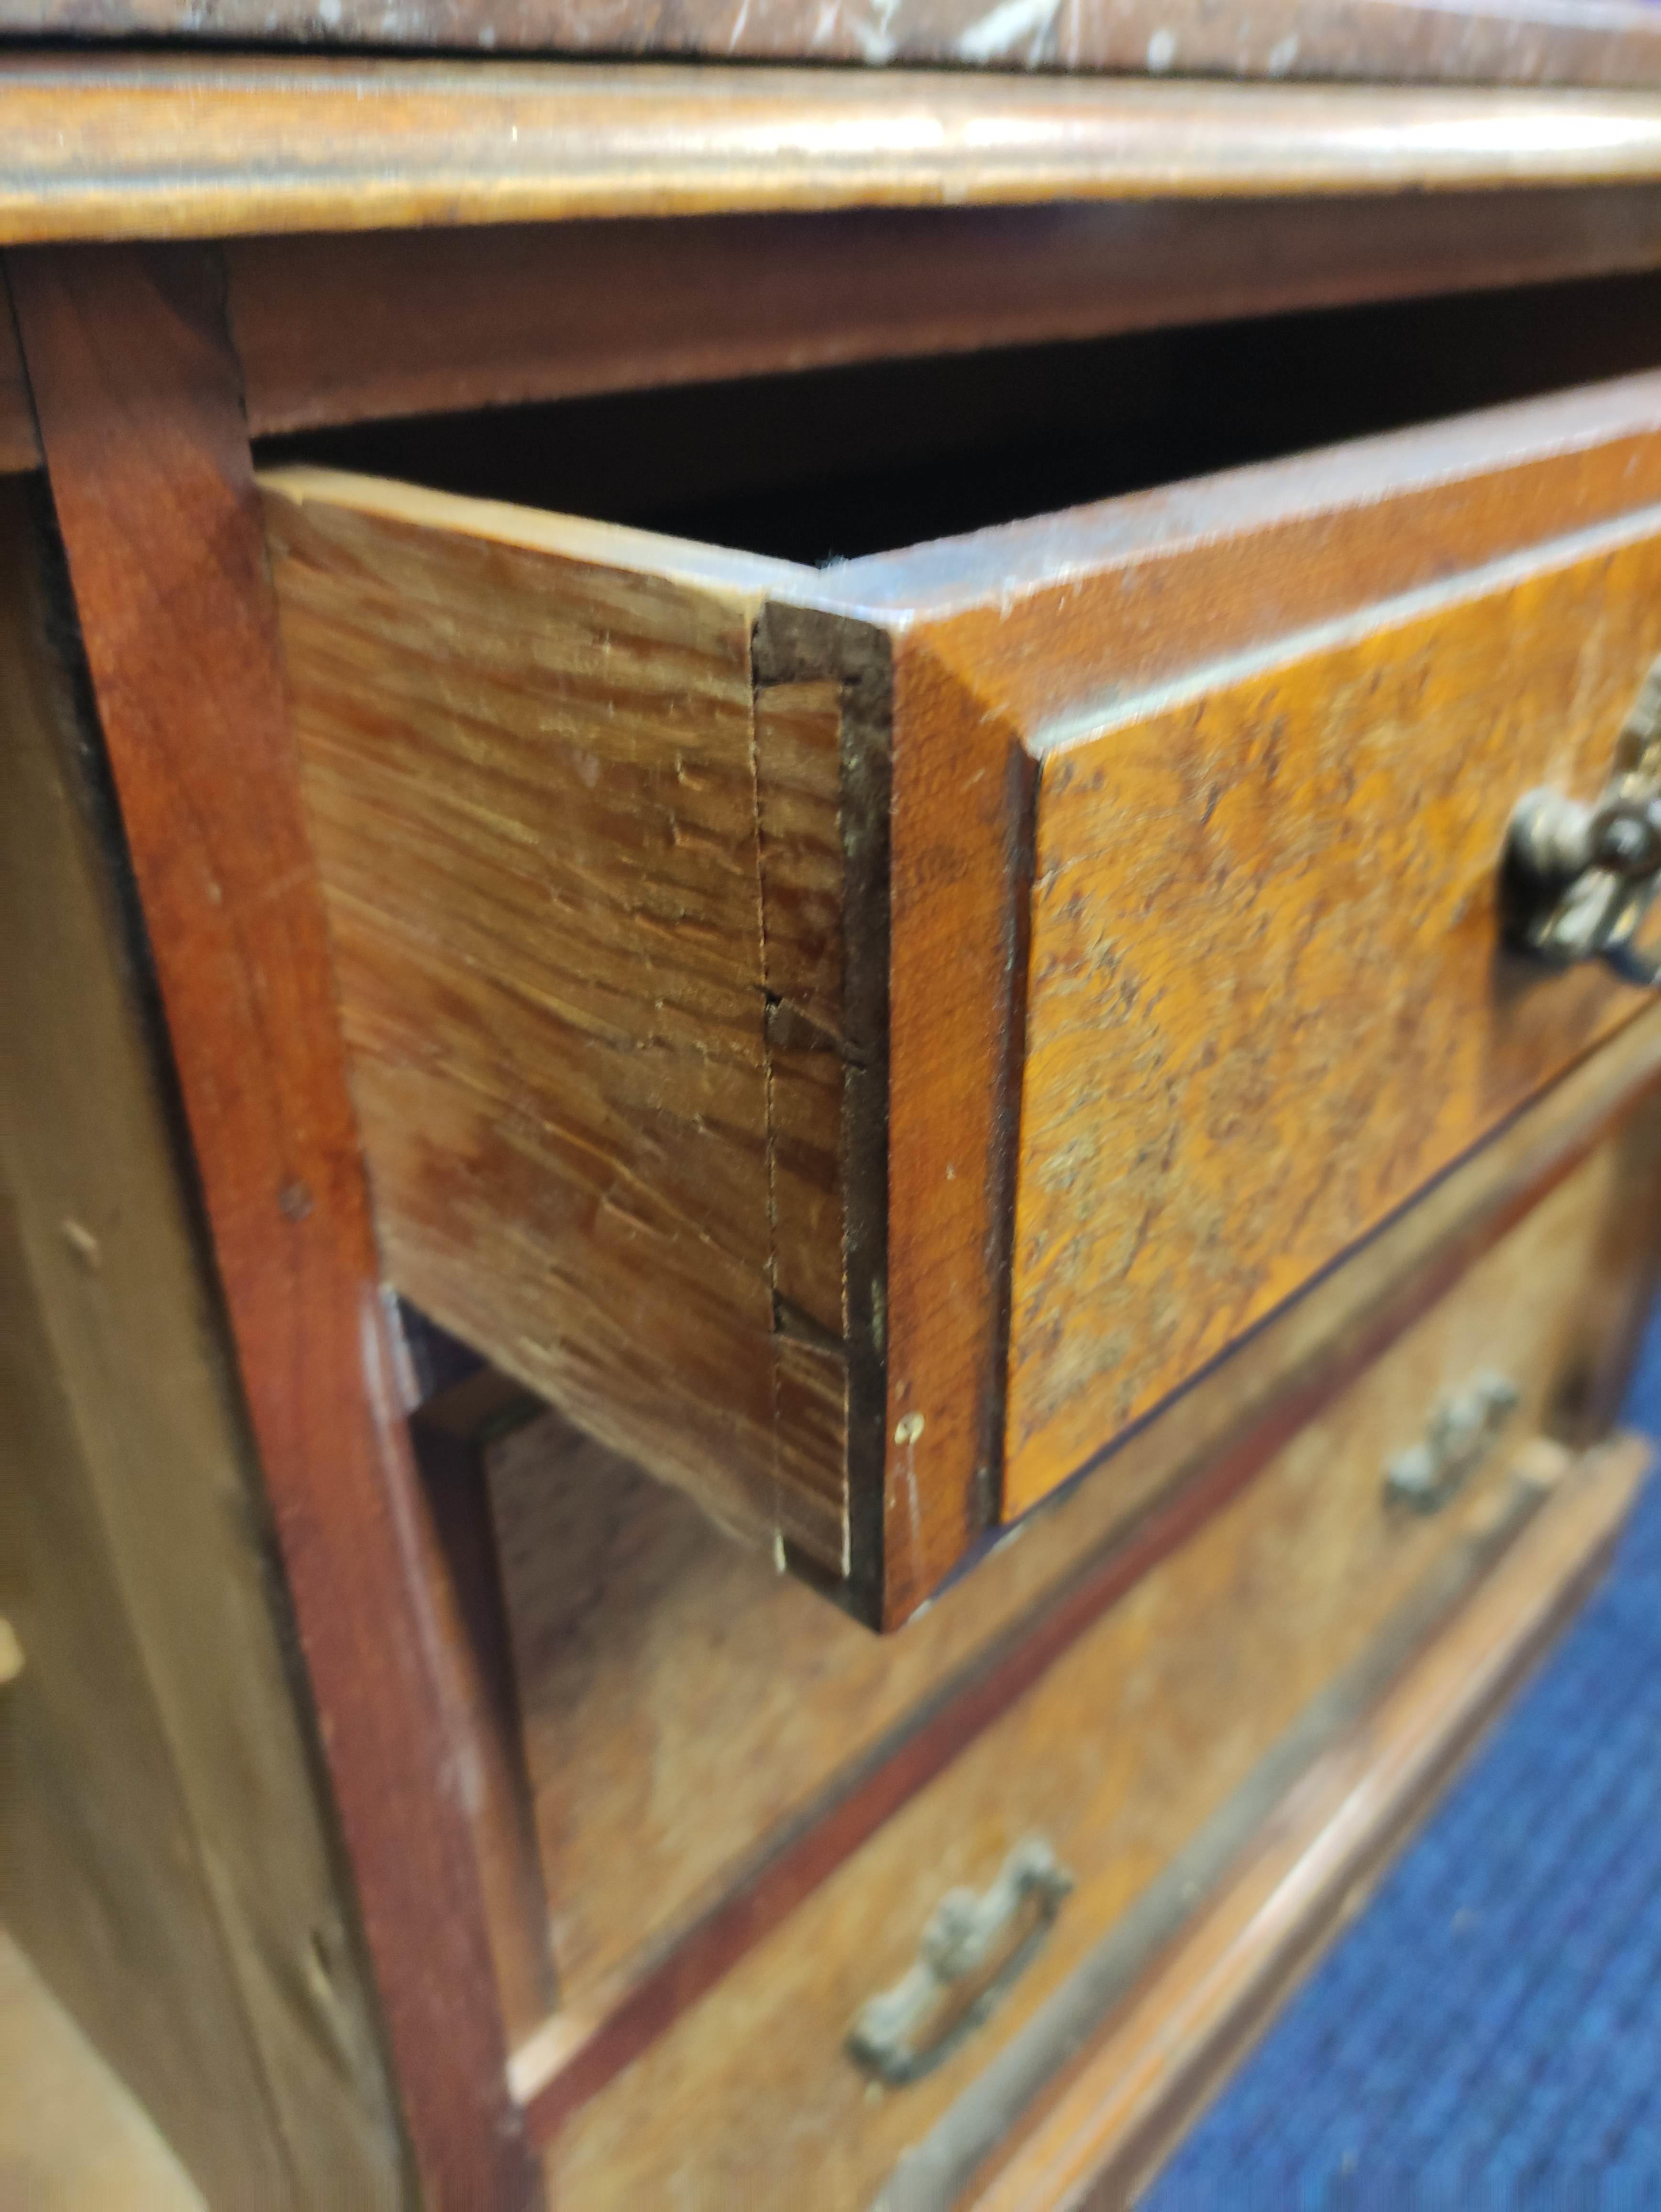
(860, 1038)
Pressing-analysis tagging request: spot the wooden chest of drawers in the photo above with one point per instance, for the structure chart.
(719, 871)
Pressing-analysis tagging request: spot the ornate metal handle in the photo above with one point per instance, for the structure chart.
(973, 1948)
(1576, 880)
(1455, 1443)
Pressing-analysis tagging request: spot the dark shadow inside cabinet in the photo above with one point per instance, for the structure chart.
(833, 464)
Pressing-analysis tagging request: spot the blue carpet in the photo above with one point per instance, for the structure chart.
(1489, 2033)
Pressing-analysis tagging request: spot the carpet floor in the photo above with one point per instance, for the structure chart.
(1489, 2032)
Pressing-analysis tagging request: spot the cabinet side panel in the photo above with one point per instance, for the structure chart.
(165, 1851)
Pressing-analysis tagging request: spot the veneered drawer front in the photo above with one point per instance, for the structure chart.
(1267, 1002)
(858, 1039)
(1134, 1739)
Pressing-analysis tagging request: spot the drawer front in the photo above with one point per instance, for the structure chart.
(1220, 723)
(1120, 1754)
(860, 1040)
(1267, 1000)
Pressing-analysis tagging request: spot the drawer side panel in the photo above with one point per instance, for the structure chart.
(531, 783)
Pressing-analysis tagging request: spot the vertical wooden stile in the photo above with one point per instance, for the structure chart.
(136, 393)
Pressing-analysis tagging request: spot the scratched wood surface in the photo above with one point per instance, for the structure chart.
(509, 757)
(798, 733)
(1157, 586)
(151, 145)
(1116, 1755)
(794, 1735)
(1527, 41)
(1015, 636)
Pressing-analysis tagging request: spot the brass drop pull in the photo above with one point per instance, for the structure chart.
(1457, 1440)
(1576, 880)
(972, 1949)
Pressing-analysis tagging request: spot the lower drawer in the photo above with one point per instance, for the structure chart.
(1135, 1746)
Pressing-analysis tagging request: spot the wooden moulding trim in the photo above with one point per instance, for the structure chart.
(138, 146)
(1200, 2006)
(570, 2058)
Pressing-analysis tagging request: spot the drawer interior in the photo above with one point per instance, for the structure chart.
(696, 910)
(835, 463)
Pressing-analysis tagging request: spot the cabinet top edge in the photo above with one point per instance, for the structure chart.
(148, 145)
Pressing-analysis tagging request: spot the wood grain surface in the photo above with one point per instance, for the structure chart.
(1117, 1754)
(1264, 931)
(1534, 41)
(803, 1734)
(137, 400)
(166, 1852)
(141, 146)
(337, 329)
(585, 880)
(958, 903)
(1202, 2006)
(797, 766)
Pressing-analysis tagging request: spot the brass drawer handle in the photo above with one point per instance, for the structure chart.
(1576, 880)
(907, 2031)
(1457, 1439)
